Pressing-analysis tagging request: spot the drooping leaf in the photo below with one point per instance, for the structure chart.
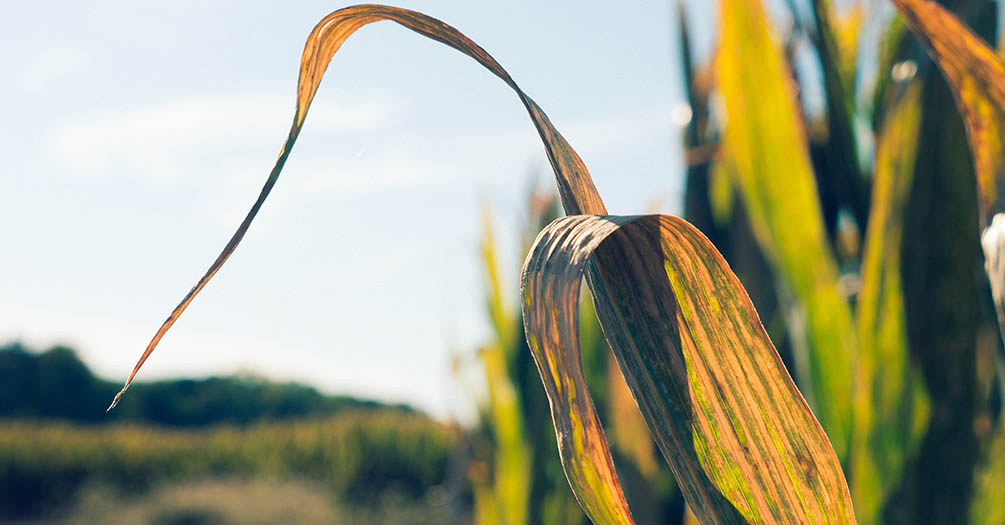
(977, 77)
(890, 402)
(737, 434)
(767, 146)
(574, 183)
(736, 466)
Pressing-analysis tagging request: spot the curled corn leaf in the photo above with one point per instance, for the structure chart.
(737, 434)
(322, 44)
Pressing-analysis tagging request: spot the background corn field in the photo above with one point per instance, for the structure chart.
(828, 162)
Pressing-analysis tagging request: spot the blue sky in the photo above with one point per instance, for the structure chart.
(137, 134)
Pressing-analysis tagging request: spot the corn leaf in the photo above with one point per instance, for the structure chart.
(738, 436)
(840, 150)
(512, 454)
(891, 406)
(767, 146)
(976, 75)
(322, 44)
(746, 449)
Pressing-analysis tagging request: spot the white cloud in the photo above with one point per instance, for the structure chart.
(226, 144)
(168, 140)
(49, 66)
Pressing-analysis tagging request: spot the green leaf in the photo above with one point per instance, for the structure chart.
(891, 406)
(737, 434)
(512, 452)
(766, 144)
(840, 150)
(976, 76)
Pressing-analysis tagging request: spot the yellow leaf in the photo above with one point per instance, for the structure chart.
(738, 436)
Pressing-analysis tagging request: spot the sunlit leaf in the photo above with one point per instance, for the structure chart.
(890, 403)
(322, 44)
(767, 146)
(738, 436)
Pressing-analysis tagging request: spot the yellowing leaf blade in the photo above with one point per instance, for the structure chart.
(737, 434)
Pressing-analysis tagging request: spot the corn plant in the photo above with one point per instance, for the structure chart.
(741, 441)
(517, 404)
(786, 192)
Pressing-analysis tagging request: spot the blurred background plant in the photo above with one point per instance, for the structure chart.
(515, 433)
(828, 163)
(830, 166)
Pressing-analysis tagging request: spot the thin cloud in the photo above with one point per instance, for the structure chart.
(486, 156)
(51, 65)
(167, 140)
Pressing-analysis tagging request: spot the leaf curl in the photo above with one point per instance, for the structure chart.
(727, 417)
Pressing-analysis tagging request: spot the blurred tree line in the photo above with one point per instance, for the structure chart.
(55, 384)
(56, 439)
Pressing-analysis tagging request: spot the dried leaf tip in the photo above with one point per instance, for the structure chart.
(115, 401)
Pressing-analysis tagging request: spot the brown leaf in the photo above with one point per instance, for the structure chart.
(737, 434)
(579, 195)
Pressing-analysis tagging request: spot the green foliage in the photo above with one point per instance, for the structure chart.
(357, 455)
(649, 488)
(922, 339)
(987, 504)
